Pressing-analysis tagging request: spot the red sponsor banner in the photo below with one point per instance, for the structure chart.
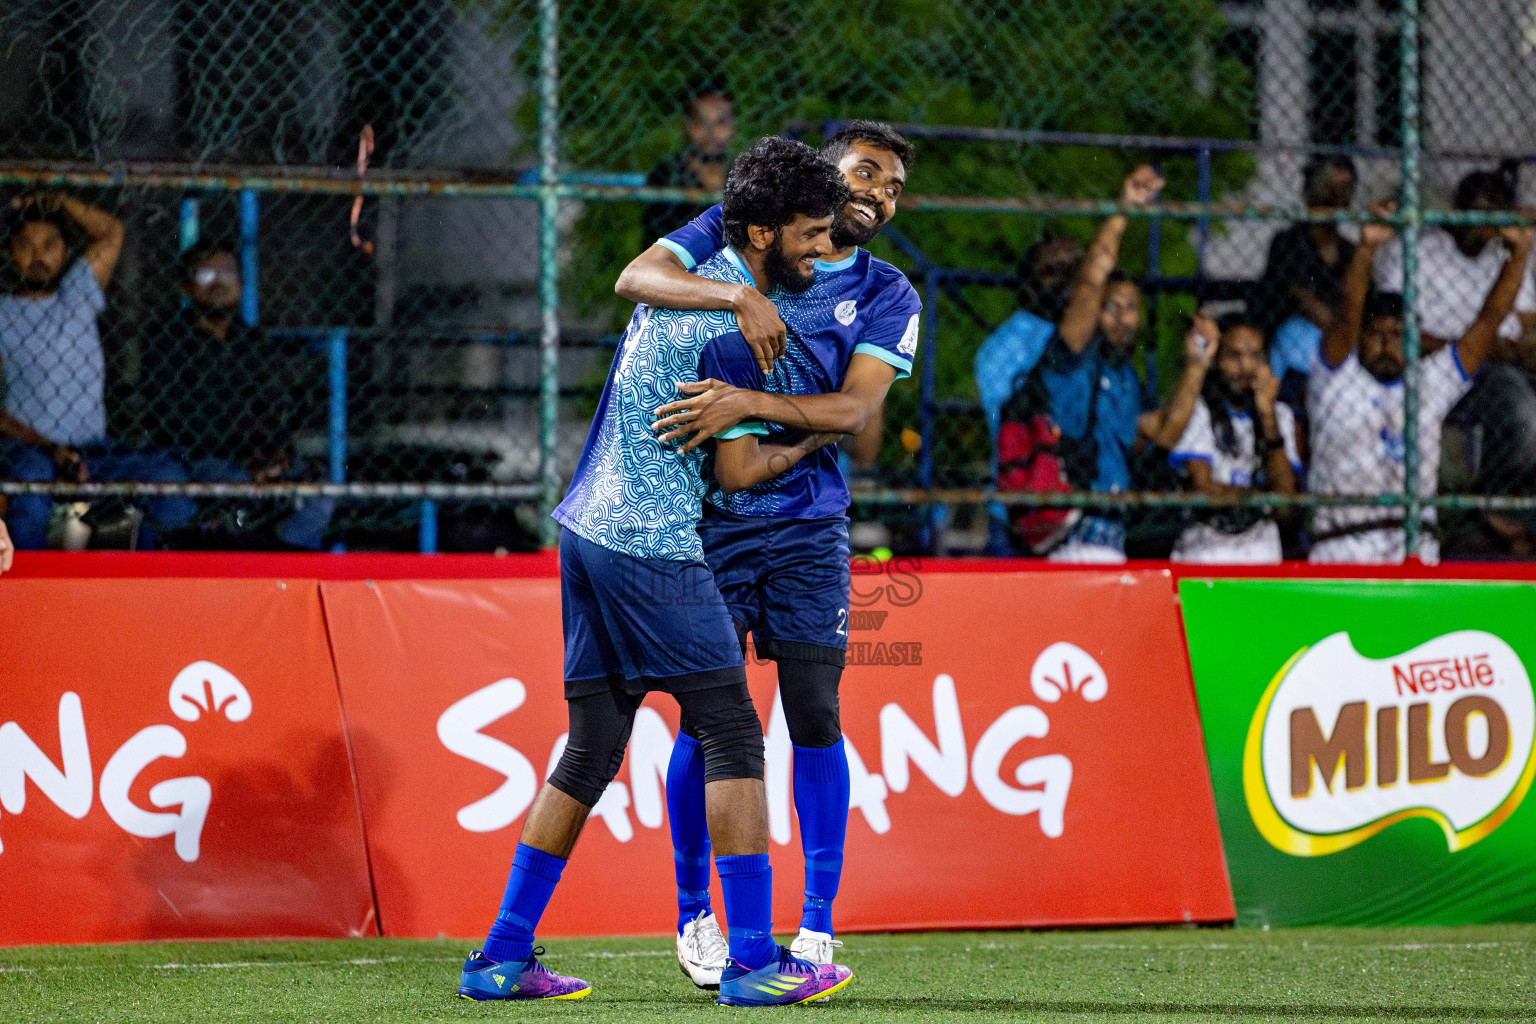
(1025, 751)
(173, 764)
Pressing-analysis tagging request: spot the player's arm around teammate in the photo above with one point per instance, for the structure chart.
(744, 462)
(657, 277)
(641, 612)
(714, 406)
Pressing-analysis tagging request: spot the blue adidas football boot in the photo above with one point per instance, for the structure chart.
(484, 978)
(783, 982)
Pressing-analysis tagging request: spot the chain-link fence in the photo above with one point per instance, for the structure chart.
(265, 361)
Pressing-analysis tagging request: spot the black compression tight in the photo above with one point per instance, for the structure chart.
(726, 726)
(809, 692)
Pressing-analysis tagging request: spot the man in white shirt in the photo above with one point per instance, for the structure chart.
(1458, 265)
(53, 412)
(1239, 440)
(1355, 403)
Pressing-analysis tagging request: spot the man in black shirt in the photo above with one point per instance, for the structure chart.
(710, 124)
(223, 397)
(1306, 266)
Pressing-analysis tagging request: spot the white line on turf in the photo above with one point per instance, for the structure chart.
(356, 962)
(867, 950)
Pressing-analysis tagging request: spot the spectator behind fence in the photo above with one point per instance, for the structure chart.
(223, 399)
(709, 123)
(1458, 265)
(1084, 368)
(1046, 272)
(1296, 298)
(1356, 403)
(54, 421)
(1240, 440)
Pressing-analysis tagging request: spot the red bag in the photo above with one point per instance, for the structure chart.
(1028, 461)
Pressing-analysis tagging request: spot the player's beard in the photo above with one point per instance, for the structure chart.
(784, 272)
(848, 232)
(38, 278)
(1219, 394)
(1385, 370)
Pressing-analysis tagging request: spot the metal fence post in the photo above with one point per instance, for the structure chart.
(549, 261)
(336, 412)
(426, 530)
(250, 225)
(1203, 225)
(1409, 53)
(189, 224)
(934, 517)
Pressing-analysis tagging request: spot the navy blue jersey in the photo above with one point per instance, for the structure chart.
(860, 305)
(813, 487)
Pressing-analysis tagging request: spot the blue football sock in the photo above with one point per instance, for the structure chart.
(529, 887)
(821, 802)
(690, 828)
(748, 884)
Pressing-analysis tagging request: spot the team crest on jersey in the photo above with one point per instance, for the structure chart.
(908, 346)
(846, 311)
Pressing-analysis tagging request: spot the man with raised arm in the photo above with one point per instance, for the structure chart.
(779, 551)
(53, 424)
(1083, 367)
(1355, 403)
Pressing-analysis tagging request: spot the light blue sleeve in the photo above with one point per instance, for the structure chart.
(1014, 348)
(742, 430)
(1296, 343)
(80, 287)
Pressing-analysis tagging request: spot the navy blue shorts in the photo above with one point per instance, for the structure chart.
(784, 580)
(642, 624)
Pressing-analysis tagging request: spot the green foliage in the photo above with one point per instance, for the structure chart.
(1104, 66)
(1113, 66)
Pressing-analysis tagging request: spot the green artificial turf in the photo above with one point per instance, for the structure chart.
(1431, 974)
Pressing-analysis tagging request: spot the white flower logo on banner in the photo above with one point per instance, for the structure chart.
(200, 687)
(1064, 668)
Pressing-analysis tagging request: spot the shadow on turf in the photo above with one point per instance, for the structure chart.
(1206, 1009)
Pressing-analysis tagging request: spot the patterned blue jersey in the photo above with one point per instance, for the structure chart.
(860, 305)
(631, 493)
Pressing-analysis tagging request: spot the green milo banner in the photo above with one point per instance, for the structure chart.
(1371, 747)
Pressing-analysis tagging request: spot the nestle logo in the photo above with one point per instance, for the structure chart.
(1435, 675)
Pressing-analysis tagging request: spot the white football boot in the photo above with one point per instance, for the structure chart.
(702, 951)
(814, 946)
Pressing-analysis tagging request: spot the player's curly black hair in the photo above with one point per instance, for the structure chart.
(775, 181)
(873, 133)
